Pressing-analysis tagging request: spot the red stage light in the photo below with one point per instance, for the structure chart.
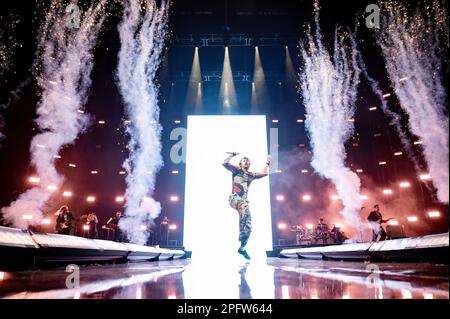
(90, 199)
(434, 214)
(282, 226)
(34, 180)
(405, 184)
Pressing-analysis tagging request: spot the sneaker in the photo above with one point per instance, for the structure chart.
(243, 252)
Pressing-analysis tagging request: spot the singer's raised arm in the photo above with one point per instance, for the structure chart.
(228, 166)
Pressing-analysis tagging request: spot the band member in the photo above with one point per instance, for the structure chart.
(164, 231)
(92, 222)
(337, 235)
(114, 222)
(322, 231)
(241, 180)
(64, 219)
(375, 220)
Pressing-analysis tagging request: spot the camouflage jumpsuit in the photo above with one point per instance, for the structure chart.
(238, 198)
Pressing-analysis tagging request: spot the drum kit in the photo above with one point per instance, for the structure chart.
(319, 235)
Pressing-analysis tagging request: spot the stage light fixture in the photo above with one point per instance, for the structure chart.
(34, 180)
(434, 214)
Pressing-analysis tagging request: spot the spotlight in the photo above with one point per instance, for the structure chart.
(139, 293)
(280, 198)
(387, 191)
(57, 156)
(34, 180)
(304, 171)
(364, 197)
(46, 221)
(405, 184)
(434, 214)
(72, 165)
(403, 79)
(40, 145)
(274, 121)
(393, 222)
(386, 95)
(306, 198)
(359, 170)
(143, 227)
(309, 226)
(90, 199)
(334, 197)
(146, 199)
(119, 199)
(101, 122)
(122, 173)
(2, 275)
(406, 294)
(427, 295)
(412, 218)
(174, 171)
(338, 225)
(85, 227)
(177, 121)
(382, 163)
(418, 142)
(173, 227)
(425, 177)
(282, 226)
(52, 187)
(27, 217)
(94, 172)
(299, 121)
(174, 198)
(373, 108)
(398, 153)
(67, 194)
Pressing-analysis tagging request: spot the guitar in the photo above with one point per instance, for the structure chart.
(381, 221)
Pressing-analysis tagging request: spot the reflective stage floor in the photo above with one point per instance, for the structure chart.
(263, 279)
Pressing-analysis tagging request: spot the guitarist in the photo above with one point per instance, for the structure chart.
(375, 220)
(113, 223)
(64, 220)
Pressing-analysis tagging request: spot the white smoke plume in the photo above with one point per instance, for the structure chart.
(63, 65)
(413, 51)
(142, 33)
(328, 86)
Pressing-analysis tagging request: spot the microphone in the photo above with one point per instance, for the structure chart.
(232, 153)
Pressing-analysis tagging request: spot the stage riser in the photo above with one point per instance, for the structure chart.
(433, 248)
(21, 249)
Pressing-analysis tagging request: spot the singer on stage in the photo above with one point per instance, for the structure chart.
(242, 179)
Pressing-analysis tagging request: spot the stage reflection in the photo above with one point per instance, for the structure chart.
(234, 279)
